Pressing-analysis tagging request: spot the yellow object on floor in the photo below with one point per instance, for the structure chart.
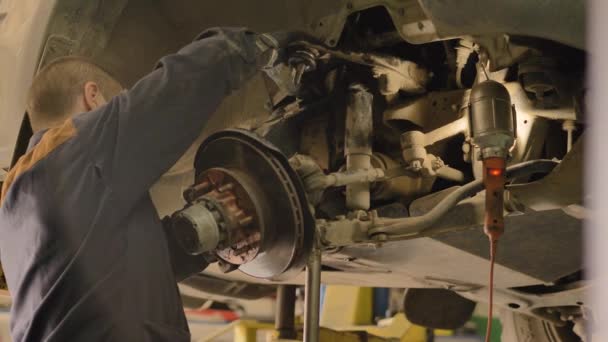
(349, 309)
(346, 317)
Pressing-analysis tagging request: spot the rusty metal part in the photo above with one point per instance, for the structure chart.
(368, 228)
(450, 174)
(238, 201)
(454, 128)
(415, 226)
(358, 144)
(313, 178)
(530, 235)
(564, 111)
(541, 79)
(394, 74)
(226, 267)
(406, 185)
(561, 188)
(412, 148)
(424, 21)
(303, 60)
(499, 51)
(409, 77)
(427, 165)
(314, 140)
(429, 111)
(272, 190)
(388, 178)
(437, 112)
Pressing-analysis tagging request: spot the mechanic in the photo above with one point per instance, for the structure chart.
(82, 246)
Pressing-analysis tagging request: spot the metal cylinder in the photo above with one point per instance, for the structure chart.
(491, 119)
(358, 176)
(447, 131)
(569, 126)
(196, 229)
(358, 144)
(312, 296)
(285, 315)
(406, 186)
(451, 174)
(412, 146)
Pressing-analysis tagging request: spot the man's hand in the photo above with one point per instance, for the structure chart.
(279, 60)
(274, 46)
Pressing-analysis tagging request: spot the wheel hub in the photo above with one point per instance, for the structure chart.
(260, 212)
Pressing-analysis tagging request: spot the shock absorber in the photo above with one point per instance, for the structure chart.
(492, 123)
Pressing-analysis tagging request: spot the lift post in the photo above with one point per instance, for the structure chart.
(285, 315)
(312, 295)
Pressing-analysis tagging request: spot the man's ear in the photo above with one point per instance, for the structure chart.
(93, 98)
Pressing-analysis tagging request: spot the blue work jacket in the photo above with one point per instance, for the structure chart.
(83, 249)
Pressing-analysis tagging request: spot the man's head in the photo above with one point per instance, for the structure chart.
(65, 87)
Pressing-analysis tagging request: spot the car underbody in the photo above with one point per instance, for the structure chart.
(378, 71)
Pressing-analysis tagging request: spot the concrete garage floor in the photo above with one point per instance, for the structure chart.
(199, 329)
(203, 323)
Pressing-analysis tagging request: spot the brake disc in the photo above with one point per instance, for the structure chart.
(266, 214)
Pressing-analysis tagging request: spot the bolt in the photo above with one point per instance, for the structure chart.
(226, 187)
(380, 239)
(225, 201)
(416, 165)
(246, 221)
(437, 163)
(195, 191)
(298, 73)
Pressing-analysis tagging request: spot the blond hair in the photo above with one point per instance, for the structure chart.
(56, 88)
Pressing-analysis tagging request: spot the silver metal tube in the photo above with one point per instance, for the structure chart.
(418, 224)
(569, 127)
(357, 176)
(358, 144)
(312, 294)
(451, 174)
(453, 128)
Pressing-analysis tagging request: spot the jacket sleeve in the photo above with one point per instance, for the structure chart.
(142, 132)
